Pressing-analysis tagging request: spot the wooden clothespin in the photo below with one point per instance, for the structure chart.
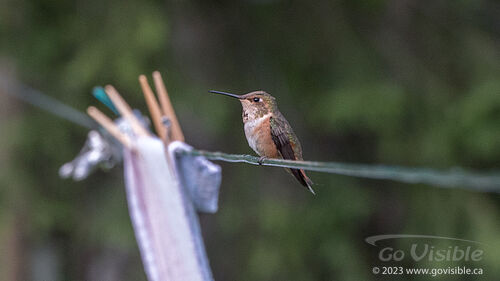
(125, 110)
(158, 111)
(109, 126)
(172, 132)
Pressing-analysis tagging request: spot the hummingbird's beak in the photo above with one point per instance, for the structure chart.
(226, 94)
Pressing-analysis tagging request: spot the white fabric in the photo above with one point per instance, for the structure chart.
(162, 216)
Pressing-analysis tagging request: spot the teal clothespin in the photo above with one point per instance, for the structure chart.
(101, 95)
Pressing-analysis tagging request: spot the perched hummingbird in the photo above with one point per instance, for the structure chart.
(267, 131)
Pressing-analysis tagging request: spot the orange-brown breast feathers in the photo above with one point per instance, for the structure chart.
(265, 144)
(258, 134)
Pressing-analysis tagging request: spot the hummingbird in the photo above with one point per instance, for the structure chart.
(268, 132)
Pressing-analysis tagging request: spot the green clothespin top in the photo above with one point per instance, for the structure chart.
(101, 95)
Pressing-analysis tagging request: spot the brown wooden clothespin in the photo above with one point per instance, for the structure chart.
(161, 111)
(125, 110)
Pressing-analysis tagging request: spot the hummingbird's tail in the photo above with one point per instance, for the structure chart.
(301, 176)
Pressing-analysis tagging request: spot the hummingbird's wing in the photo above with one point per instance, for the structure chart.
(280, 133)
(281, 139)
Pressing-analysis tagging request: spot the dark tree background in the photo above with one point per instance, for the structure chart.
(400, 82)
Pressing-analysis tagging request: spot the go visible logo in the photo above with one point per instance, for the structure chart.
(465, 250)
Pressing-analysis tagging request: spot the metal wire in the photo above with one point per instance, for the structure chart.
(456, 177)
(45, 102)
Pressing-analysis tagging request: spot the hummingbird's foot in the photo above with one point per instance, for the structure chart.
(261, 159)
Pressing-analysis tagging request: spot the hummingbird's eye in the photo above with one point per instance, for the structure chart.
(256, 99)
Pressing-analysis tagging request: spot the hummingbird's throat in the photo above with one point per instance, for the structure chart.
(252, 111)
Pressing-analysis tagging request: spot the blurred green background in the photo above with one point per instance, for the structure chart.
(401, 82)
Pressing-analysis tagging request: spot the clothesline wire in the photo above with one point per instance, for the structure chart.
(451, 178)
(46, 102)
